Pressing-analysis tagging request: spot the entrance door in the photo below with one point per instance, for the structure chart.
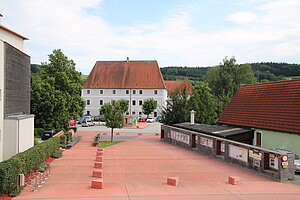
(220, 148)
(258, 139)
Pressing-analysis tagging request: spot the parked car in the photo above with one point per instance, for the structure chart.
(150, 120)
(87, 123)
(99, 118)
(48, 133)
(297, 163)
(296, 160)
(142, 119)
(158, 118)
(72, 123)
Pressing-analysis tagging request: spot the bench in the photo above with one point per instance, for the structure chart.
(96, 140)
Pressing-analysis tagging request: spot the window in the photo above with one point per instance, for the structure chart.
(101, 102)
(133, 102)
(155, 91)
(114, 91)
(258, 138)
(101, 91)
(133, 113)
(88, 102)
(88, 112)
(140, 113)
(133, 91)
(88, 92)
(127, 91)
(127, 113)
(155, 114)
(141, 91)
(140, 102)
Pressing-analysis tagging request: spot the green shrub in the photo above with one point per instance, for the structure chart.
(74, 128)
(38, 132)
(35, 141)
(25, 162)
(9, 171)
(63, 140)
(64, 130)
(16, 191)
(57, 154)
(68, 135)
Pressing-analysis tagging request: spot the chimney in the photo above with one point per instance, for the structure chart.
(193, 117)
(127, 59)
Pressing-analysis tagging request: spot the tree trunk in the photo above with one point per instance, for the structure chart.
(112, 134)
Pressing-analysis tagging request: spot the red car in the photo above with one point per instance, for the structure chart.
(142, 119)
(72, 123)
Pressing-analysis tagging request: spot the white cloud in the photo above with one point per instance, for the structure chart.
(269, 32)
(242, 17)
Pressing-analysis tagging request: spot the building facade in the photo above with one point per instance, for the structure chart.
(134, 81)
(16, 123)
(271, 110)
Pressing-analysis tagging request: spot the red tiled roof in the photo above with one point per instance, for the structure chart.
(125, 74)
(273, 106)
(174, 86)
(12, 32)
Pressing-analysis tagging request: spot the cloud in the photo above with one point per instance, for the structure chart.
(267, 31)
(242, 17)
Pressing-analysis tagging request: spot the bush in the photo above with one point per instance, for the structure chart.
(16, 191)
(63, 140)
(9, 171)
(74, 128)
(38, 132)
(68, 135)
(57, 154)
(23, 163)
(35, 141)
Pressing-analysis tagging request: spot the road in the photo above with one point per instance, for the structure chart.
(151, 128)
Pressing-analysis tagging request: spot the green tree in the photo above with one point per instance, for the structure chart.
(124, 105)
(113, 113)
(55, 92)
(203, 102)
(177, 109)
(225, 80)
(149, 106)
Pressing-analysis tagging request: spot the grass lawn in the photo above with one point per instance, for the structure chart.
(104, 144)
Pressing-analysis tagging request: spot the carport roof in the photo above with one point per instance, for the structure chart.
(216, 130)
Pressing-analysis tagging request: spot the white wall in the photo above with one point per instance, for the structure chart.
(12, 39)
(1, 97)
(108, 95)
(26, 134)
(18, 134)
(10, 147)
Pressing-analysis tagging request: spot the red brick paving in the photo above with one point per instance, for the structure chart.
(138, 168)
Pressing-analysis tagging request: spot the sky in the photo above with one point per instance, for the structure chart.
(173, 32)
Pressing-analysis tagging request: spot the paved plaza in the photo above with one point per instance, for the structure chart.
(137, 169)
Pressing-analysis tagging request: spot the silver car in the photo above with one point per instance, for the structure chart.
(297, 163)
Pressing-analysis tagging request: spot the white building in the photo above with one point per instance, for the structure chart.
(16, 124)
(134, 81)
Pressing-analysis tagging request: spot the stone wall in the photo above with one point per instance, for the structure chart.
(247, 156)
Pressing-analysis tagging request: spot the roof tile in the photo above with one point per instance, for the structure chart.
(125, 74)
(274, 106)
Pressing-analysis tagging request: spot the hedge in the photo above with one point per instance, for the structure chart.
(74, 128)
(69, 136)
(25, 162)
(38, 132)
